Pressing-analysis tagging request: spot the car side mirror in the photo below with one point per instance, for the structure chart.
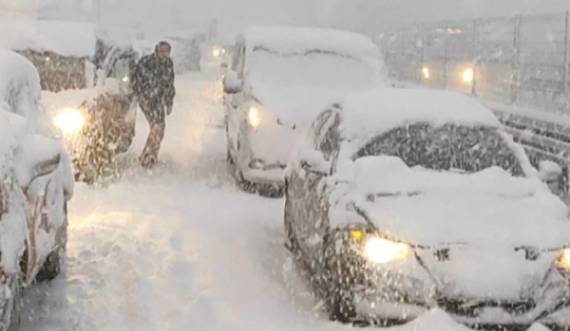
(554, 176)
(37, 157)
(232, 83)
(314, 162)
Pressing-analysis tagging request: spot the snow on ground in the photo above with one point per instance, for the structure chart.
(180, 248)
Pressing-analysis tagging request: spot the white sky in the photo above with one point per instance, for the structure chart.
(234, 15)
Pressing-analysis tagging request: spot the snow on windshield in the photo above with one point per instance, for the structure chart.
(314, 70)
(447, 147)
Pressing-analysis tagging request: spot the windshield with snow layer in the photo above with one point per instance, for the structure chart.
(470, 149)
(315, 70)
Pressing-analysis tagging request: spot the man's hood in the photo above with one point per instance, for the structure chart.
(427, 207)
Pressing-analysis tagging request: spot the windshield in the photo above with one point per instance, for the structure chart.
(449, 147)
(315, 70)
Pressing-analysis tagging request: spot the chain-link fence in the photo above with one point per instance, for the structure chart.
(522, 60)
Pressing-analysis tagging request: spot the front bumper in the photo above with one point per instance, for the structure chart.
(552, 309)
(273, 175)
(407, 289)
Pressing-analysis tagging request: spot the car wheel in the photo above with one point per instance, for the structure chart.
(291, 241)
(12, 307)
(229, 157)
(53, 263)
(341, 307)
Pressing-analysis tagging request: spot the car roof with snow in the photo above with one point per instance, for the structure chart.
(65, 38)
(378, 111)
(19, 83)
(289, 40)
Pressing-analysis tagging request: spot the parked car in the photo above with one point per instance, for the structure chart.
(278, 77)
(35, 184)
(99, 122)
(399, 201)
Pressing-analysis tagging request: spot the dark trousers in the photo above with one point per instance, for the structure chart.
(154, 113)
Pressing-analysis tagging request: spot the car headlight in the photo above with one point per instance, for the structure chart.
(468, 75)
(426, 73)
(126, 79)
(69, 120)
(254, 116)
(216, 52)
(563, 261)
(380, 250)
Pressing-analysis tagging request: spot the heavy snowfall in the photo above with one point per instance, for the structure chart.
(317, 165)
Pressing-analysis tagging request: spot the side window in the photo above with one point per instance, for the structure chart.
(330, 141)
(236, 57)
(317, 126)
(241, 63)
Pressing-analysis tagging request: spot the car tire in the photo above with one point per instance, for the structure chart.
(12, 309)
(53, 263)
(229, 157)
(291, 241)
(341, 308)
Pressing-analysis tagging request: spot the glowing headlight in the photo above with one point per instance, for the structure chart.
(468, 75)
(253, 117)
(216, 52)
(563, 261)
(125, 79)
(426, 72)
(380, 250)
(69, 121)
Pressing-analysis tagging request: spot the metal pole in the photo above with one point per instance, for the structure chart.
(445, 55)
(423, 41)
(476, 65)
(99, 11)
(566, 71)
(516, 64)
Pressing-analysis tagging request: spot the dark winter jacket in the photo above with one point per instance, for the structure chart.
(153, 80)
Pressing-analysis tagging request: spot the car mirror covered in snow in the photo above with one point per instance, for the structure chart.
(314, 162)
(232, 83)
(38, 156)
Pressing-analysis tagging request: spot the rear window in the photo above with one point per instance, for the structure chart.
(469, 149)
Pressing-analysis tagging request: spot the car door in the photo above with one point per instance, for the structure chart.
(311, 221)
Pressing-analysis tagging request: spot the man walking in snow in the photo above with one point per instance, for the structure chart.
(153, 86)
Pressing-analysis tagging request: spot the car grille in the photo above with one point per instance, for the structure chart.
(468, 309)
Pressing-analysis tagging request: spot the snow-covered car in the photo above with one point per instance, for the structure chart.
(99, 122)
(35, 184)
(399, 201)
(278, 78)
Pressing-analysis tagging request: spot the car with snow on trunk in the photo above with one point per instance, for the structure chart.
(399, 201)
(277, 79)
(98, 123)
(36, 182)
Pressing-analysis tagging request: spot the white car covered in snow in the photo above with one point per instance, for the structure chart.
(35, 184)
(278, 78)
(399, 201)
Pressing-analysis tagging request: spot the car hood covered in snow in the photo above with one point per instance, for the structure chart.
(426, 207)
(294, 105)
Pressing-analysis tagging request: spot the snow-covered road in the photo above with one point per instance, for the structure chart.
(180, 248)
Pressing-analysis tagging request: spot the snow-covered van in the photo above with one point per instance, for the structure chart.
(400, 201)
(277, 80)
(35, 184)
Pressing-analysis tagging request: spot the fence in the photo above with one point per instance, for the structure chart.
(512, 63)
(521, 60)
